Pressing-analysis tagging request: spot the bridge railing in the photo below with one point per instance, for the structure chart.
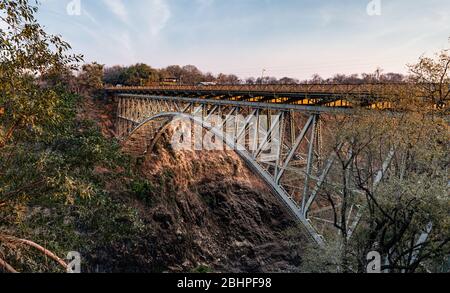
(279, 88)
(373, 96)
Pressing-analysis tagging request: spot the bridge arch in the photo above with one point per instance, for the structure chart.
(303, 166)
(250, 161)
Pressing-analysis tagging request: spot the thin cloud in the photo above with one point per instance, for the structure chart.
(159, 15)
(89, 16)
(294, 38)
(117, 7)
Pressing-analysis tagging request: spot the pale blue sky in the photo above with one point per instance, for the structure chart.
(294, 38)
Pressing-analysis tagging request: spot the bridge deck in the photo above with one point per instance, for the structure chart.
(328, 95)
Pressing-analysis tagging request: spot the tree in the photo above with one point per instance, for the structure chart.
(90, 79)
(26, 53)
(191, 75)
(316, 79)
(391, 188)
(139, 75)
(267, 80)
(250, 80)
(173, 71)
(59, 78)
(345, 79)
(402, 214)
(135, 75)
(114, 75)
(209, 77)
(228, 79)
(288, 80)
(390, 180)
(433, 77)
(393, 78)
(45, 152)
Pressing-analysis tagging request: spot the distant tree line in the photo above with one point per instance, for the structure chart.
(94, 76)
(142, 74)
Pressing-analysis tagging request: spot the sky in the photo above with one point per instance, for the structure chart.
(295, 38)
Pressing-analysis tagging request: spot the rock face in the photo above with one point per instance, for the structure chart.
(210, 211)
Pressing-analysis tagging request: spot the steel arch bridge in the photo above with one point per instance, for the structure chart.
(296, 171)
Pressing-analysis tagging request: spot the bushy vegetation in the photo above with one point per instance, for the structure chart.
(52, 193)
(393, 169)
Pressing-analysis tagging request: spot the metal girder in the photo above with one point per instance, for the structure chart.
(295, 147)
(254, 105)
(213, 110)
(309, 162)
(246, 123)
(319, 183)
(279, 146)
(266, 138)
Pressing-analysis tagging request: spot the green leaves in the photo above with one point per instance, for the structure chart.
(27, 52)
(44, 150)
(59, 171)
(90, 79)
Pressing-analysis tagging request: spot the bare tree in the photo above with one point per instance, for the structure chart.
(433, 77)
(393, 189)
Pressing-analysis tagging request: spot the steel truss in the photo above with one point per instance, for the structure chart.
(296, 170)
